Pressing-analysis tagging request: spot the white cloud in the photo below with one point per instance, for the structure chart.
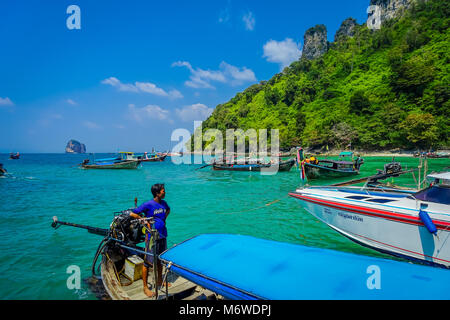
(72, 102)
(148, 112)
(91, 125)
(237, 76)
(151, 88)
(282, 52)
(230, 74)
(6, 102)
(249, 21)
(195, 112)
(175, 94)
(146, 87)
(112, 81)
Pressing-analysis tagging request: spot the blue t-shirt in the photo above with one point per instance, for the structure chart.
(158, 211)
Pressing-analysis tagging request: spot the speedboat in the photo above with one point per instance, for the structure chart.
(256, 166)
(414, 226)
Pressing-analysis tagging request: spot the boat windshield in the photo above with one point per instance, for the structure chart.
(437, 194)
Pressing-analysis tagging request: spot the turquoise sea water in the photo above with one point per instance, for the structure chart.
(34, 257)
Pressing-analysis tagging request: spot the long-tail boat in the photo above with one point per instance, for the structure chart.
(258, 166)
(240, 267)
(152, 157)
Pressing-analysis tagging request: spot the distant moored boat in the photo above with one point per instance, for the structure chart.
(258, 166)
(125, 160)
(326, 168)
(14, 156)
(153, 157)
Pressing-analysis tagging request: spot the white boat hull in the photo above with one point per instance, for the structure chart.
(398, 233)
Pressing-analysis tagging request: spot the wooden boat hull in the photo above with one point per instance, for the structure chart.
(129, 164)
(283, 166)
(314, 171)
(119, 287)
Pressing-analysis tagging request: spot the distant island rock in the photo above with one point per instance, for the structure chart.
(74, 146)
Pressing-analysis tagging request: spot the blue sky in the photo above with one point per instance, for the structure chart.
(137, 70)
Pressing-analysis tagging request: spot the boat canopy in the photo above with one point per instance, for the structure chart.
(244, 267)
(436, 193)
(443, 177)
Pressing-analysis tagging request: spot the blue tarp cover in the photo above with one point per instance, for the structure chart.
(244, 267)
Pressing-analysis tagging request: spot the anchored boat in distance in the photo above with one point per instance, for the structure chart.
(125, 160)
(152, 157)
(251, 164)
(254, 166)
(14, 156)
(326, 168)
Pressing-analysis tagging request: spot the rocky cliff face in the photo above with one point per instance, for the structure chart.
(73, 146)
(347, 29)
(391, 8)
(315, 42)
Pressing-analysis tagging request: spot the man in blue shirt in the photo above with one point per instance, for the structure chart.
(159, 210)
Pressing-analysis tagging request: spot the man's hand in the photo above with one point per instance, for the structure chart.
(135, 215)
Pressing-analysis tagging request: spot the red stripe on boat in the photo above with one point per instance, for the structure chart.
(389, 245)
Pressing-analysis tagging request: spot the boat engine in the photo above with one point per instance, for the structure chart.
(392, 167)
(127, 229)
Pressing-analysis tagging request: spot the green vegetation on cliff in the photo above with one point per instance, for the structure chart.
(379, 89)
